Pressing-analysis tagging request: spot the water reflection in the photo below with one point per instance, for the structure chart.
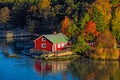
(15, 45)
(95, 70)
(45, 67)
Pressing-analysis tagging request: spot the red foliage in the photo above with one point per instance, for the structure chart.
(91, 29)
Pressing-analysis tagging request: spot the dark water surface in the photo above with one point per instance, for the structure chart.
(27, 68)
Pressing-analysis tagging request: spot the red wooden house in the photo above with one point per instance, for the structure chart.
(51, 42)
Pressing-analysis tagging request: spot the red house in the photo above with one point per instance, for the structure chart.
(51, 42)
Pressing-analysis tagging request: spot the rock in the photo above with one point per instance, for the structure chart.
(13, 56)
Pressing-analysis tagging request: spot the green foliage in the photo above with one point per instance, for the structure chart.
(98, 18)
(80, 45)
(7, 1)
(31, 25)
(115, 2)
(73, 30)
(84, 20)
(115, 24)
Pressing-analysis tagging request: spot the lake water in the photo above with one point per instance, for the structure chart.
(27, 68)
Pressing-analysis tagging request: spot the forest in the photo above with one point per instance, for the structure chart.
(81, 20)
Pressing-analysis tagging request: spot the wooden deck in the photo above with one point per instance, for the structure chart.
(35, 53)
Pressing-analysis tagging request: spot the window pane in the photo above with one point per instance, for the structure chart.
(43, 39)
(43, 45)
(62, 44)
(58, 45)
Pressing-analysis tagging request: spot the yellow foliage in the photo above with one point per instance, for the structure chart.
(33, 8)
(116, 20)
(4, 14)
(44, 4)
(104, 7)
(20, 0)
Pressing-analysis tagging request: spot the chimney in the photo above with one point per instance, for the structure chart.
(54, 32)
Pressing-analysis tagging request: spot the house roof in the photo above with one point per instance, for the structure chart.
(56, 38)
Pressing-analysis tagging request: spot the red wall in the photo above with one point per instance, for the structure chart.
(38, 42)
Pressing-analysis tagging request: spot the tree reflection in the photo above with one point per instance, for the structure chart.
(95, 70)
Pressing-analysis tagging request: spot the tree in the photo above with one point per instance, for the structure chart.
(44, 8)
(115, 2)
(4, 15)
(100, 12)
(91, 29)
(65, 25)
(80, 45)
(106, 40)
(84, 20)
(115, 23)
(19, 13)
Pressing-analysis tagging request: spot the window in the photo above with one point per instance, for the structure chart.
(43, 45)
(62, 45)
(58, 45)
(43, 39)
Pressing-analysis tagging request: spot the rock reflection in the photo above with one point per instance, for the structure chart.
(16, 44)
(95, 70)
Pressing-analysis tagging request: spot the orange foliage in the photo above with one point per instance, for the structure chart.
(91, 29)
(65, 25)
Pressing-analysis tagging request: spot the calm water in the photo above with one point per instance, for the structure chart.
(26, 68)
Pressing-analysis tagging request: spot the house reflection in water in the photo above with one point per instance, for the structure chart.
(44, 67)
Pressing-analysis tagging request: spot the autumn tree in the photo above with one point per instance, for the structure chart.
(4, 15)
(44, 7)
(106, 40)
(114, 2)
(100, 12)
(115, 23)
(91, 29)
(65, 25)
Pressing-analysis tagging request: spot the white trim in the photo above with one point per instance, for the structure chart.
(62, 45)
(55, 47)
(43, 39)
(58, 46)
(43, 45)
(38, 38)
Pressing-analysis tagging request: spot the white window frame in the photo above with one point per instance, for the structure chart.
(58, 45)
(43, 45)
(43, 39)
(62, 45)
